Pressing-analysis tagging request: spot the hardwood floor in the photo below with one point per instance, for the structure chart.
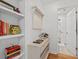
(60, 56)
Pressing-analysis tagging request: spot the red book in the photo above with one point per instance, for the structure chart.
(1, 28)
(7, 28)
(12, 49)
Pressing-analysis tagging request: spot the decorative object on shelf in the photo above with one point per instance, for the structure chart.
(13, 7)
(17, 10)
(12, 51)
(37, 18)
(14, 29)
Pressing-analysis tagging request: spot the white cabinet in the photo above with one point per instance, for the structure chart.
(38, 51)
(61, 27)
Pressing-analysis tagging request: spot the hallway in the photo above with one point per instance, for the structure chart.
(39, 29)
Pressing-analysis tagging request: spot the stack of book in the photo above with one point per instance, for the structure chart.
(12, 51)
(4, 28)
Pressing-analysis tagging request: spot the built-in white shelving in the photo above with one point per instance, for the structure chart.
(11, 17)
(11, 36)
(11, 12)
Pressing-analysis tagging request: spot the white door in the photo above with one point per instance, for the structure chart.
(61, 28)
(70, 41)
(61, 32)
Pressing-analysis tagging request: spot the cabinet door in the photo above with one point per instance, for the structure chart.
(71, 32)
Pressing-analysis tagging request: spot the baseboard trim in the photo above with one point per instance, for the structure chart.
(53, 52)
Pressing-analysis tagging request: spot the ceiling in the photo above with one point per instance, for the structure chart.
(45, 2)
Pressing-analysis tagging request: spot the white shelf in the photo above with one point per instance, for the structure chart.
(19, 56)
(11, 36)
(11, 12)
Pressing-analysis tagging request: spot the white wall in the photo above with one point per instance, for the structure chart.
(50, 21)
(31, 33)
(50, 26)
(37, 3)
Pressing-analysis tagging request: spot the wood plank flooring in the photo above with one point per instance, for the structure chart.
(60, 56)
